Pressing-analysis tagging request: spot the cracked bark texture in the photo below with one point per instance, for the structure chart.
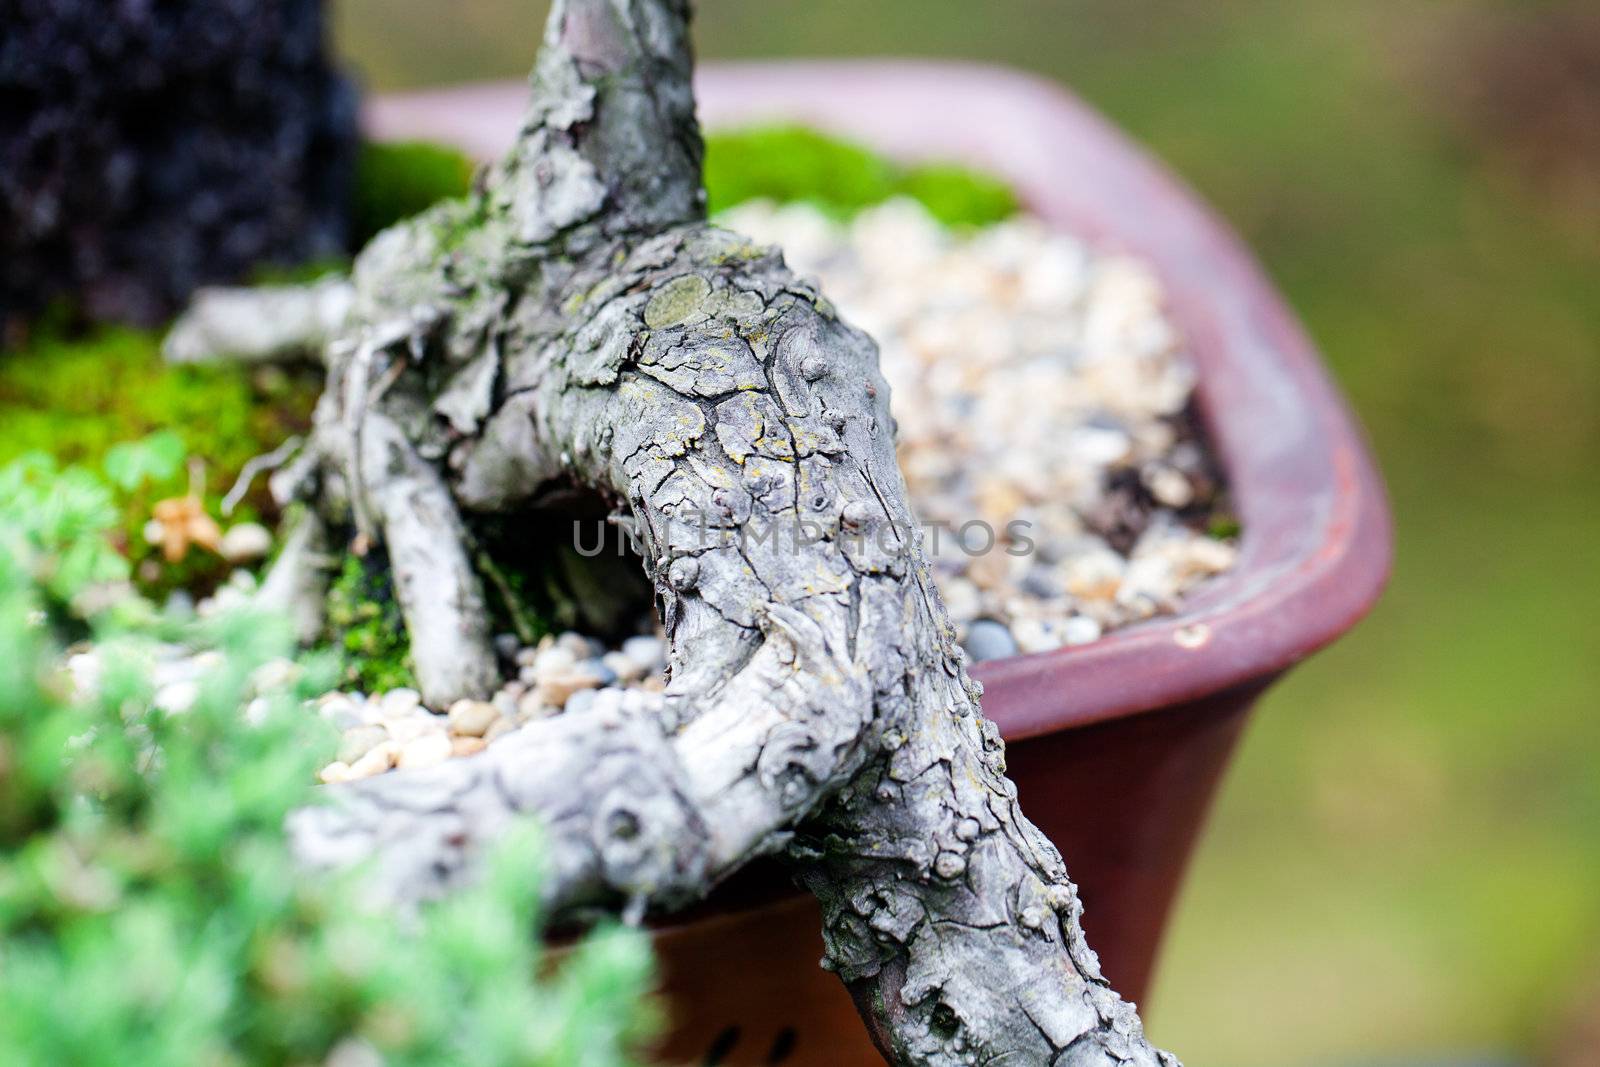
(576, 321)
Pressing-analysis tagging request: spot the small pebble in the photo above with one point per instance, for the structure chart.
(353, 1052)
(987, 639)
(334, 773)
(273, 675)
(426, 750)
(398, 702)
(961, 597)
(1100, 445)
(177, 697)
(180, 604)
(375, 761)
(554, 660)
(341, 711)
(1080, 630)
(467, 746)
(580, 646)
(1095, 575)
(255, 712)
(557, 689)
(472, 718)
(649, 652)
(406, 728)
(245, 542)
(624, 666)
(530, 707)
(1037, 635)
(1167, 485)
(359, 740)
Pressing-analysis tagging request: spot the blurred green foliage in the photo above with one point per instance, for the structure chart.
(150, 912)
(395, 180)
(786, 163)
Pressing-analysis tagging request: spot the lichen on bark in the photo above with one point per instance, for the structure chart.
(576, 322)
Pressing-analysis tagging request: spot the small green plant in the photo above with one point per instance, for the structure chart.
(150, 912)
(62, 526)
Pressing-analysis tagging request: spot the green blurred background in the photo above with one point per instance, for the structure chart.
(1405, 861)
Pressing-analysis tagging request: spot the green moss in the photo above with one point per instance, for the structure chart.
(957, 196)
(787, 163)
(365, 626)
(793, 163)
(514, 605)
(397, 180)
(77, 397)
(1223, 527)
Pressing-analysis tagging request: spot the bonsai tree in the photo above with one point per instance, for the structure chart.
(575, 325)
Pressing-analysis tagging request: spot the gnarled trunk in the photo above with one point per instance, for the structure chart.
(576, 321)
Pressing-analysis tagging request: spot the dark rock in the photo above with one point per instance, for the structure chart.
(147, 148)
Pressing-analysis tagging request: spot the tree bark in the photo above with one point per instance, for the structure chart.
(576, 321)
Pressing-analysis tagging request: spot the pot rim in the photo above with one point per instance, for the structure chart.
(1316, 540)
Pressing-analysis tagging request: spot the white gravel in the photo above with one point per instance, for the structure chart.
(1039, 387)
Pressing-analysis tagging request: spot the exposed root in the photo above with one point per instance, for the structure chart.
(440, 595)
(297, 583)
(276, 324)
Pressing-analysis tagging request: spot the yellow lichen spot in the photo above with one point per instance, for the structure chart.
(676, 302)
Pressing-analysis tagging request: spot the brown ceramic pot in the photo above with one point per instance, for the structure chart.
(1117, 746)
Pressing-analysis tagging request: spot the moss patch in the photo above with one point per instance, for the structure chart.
(787, 163)
(79, 397)
(365, 627)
